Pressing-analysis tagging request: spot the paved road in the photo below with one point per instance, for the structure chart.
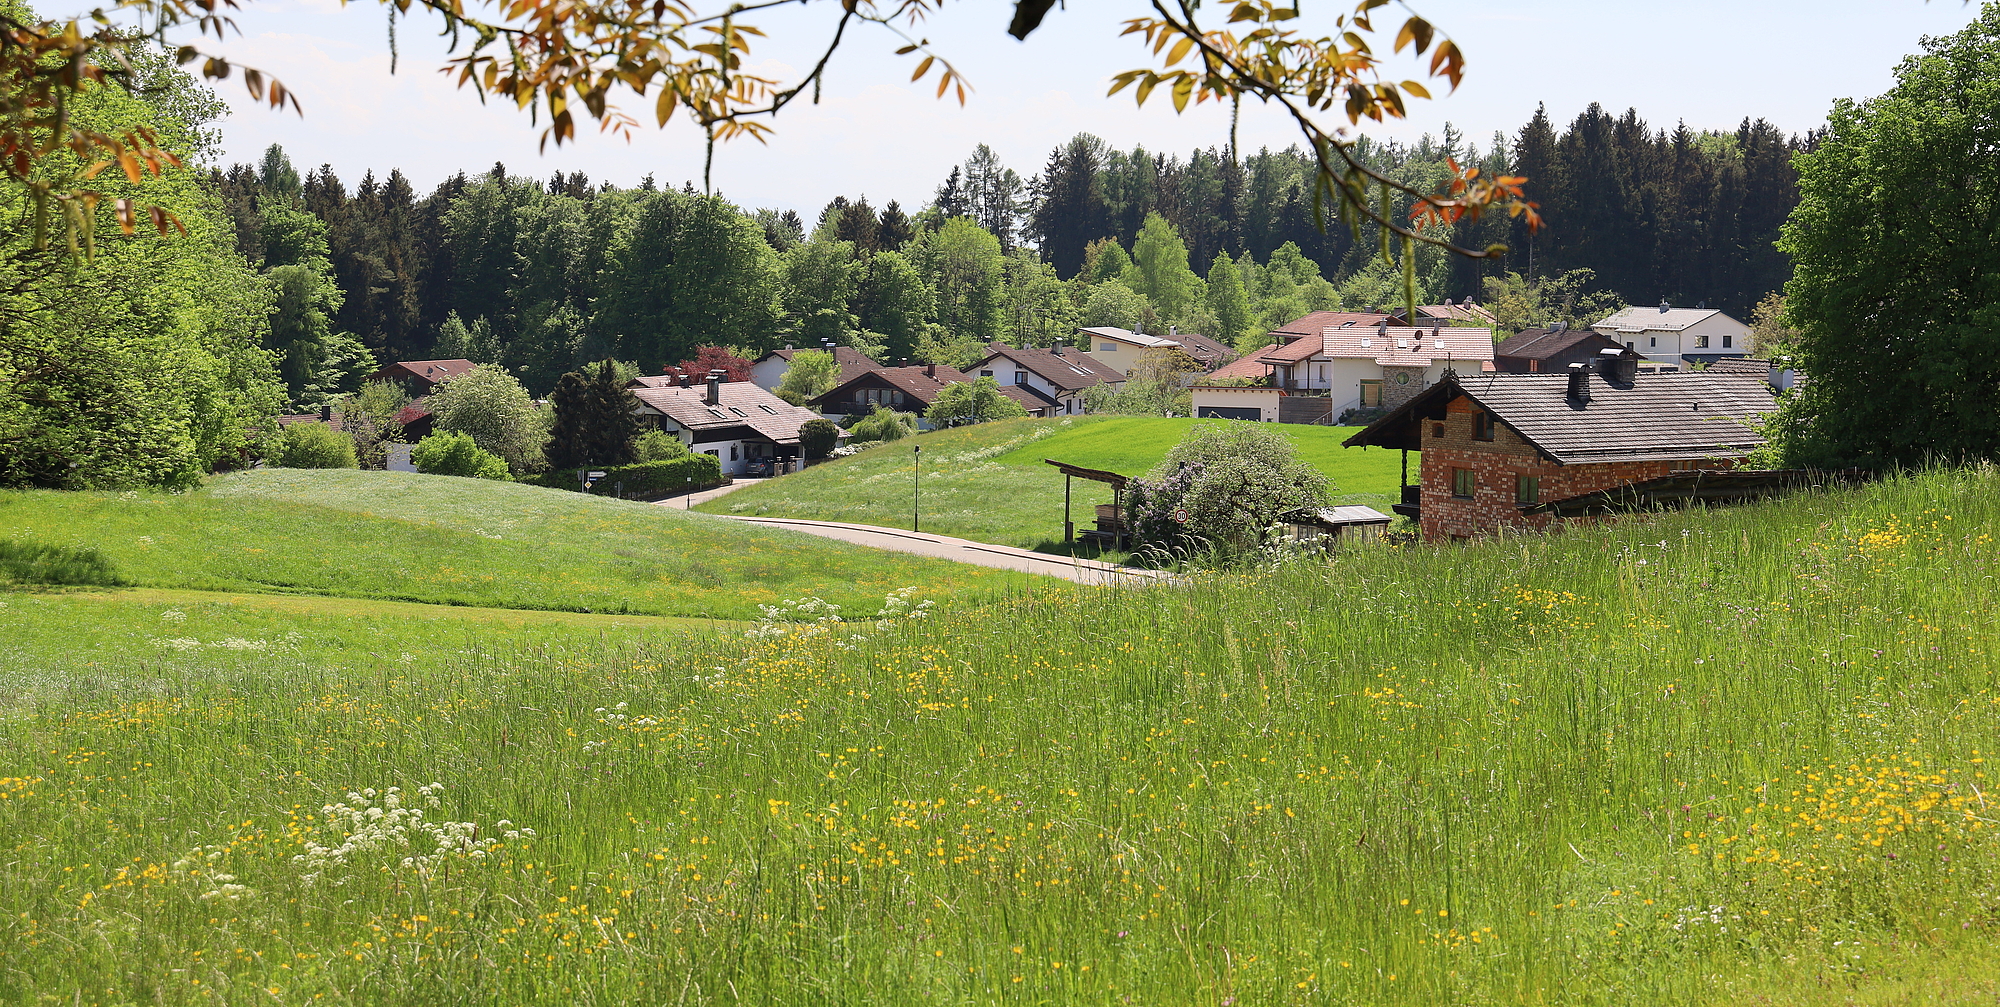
(691, 500)
(1082, 571)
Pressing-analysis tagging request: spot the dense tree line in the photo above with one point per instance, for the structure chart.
(543, 276)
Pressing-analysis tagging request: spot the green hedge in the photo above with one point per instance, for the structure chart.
(641, 478)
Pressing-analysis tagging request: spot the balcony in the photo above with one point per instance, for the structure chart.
(1412, 503)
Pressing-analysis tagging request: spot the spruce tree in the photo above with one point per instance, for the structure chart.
(595, 421)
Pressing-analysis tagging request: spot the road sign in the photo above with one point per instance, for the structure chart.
(596, 475)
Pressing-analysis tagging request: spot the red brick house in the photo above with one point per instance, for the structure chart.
(1495, 446)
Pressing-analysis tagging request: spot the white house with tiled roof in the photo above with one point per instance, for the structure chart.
(1373, 366)
(1675, 338)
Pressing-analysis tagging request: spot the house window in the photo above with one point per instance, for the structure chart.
(1700, 341)
(1371, 394)
(1020, 377)
(732, 452)
(1107, 347)
(1461, 483)
(1482, 426)
(1655, 341)
(1527, 489)
(1437, 431)
(986, 374)
(1728, 341)
(1628, 344)
(896, 397)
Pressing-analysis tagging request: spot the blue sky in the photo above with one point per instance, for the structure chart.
(1707, 62)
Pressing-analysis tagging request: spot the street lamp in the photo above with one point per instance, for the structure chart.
(917, 483)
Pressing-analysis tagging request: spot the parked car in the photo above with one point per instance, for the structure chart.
(757, 467)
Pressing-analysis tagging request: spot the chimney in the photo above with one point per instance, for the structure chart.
(1174, 329)
(930, 369)
(1664, 306)
(1627, 368)
(1579, 385)
(326, 412)
(714, 396)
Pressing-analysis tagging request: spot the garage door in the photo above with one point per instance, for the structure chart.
(1251, 413)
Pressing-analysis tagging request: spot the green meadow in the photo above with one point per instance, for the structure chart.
(990, 482)
(1731, 757)
(435, 539)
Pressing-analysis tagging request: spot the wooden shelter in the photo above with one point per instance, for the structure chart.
(1110, 520)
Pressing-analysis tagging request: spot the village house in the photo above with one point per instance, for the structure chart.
(1551, 349)
(1350, 363)
(1120, 349)
(1495, 447)
(1677, 338)
(418, 379)
(745, 427)
(1055, 378)
(768, 370)
(909, 389)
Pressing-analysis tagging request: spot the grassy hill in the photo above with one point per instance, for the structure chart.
(1739, 757)
(988, 482)
(442, 540)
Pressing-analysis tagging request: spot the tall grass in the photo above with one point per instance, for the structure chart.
(1643, 763)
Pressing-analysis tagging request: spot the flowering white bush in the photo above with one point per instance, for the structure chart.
(371, 825)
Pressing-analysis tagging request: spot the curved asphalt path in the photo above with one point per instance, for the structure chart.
(1082, 571)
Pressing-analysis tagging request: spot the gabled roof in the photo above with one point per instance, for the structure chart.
(1069, 372)
(743, 404)
(1318, 321)
(1657, 417)
(1741, 365)
(432, 371)
(1468, 312)
(920, 382)
(1544, 344)
(1030, 397)
(1249, 365)
(1653, 319)
(1209, 351)
(1393, 346)
(852, 361)
(1128, 336)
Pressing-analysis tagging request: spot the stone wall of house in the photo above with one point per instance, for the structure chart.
(1495, 466)
(1394, 392)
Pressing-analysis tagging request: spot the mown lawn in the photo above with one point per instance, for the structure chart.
(989, 482)
(441, 540)
(1739, 757)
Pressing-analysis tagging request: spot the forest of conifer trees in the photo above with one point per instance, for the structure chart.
(542, 275)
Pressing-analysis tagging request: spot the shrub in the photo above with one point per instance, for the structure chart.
(658, 446)
(817, 437)
(1221, 488)
(490, 405)
(883, 424)
(314, 446)
(975, 401)
(642, 477)
(456, 454)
